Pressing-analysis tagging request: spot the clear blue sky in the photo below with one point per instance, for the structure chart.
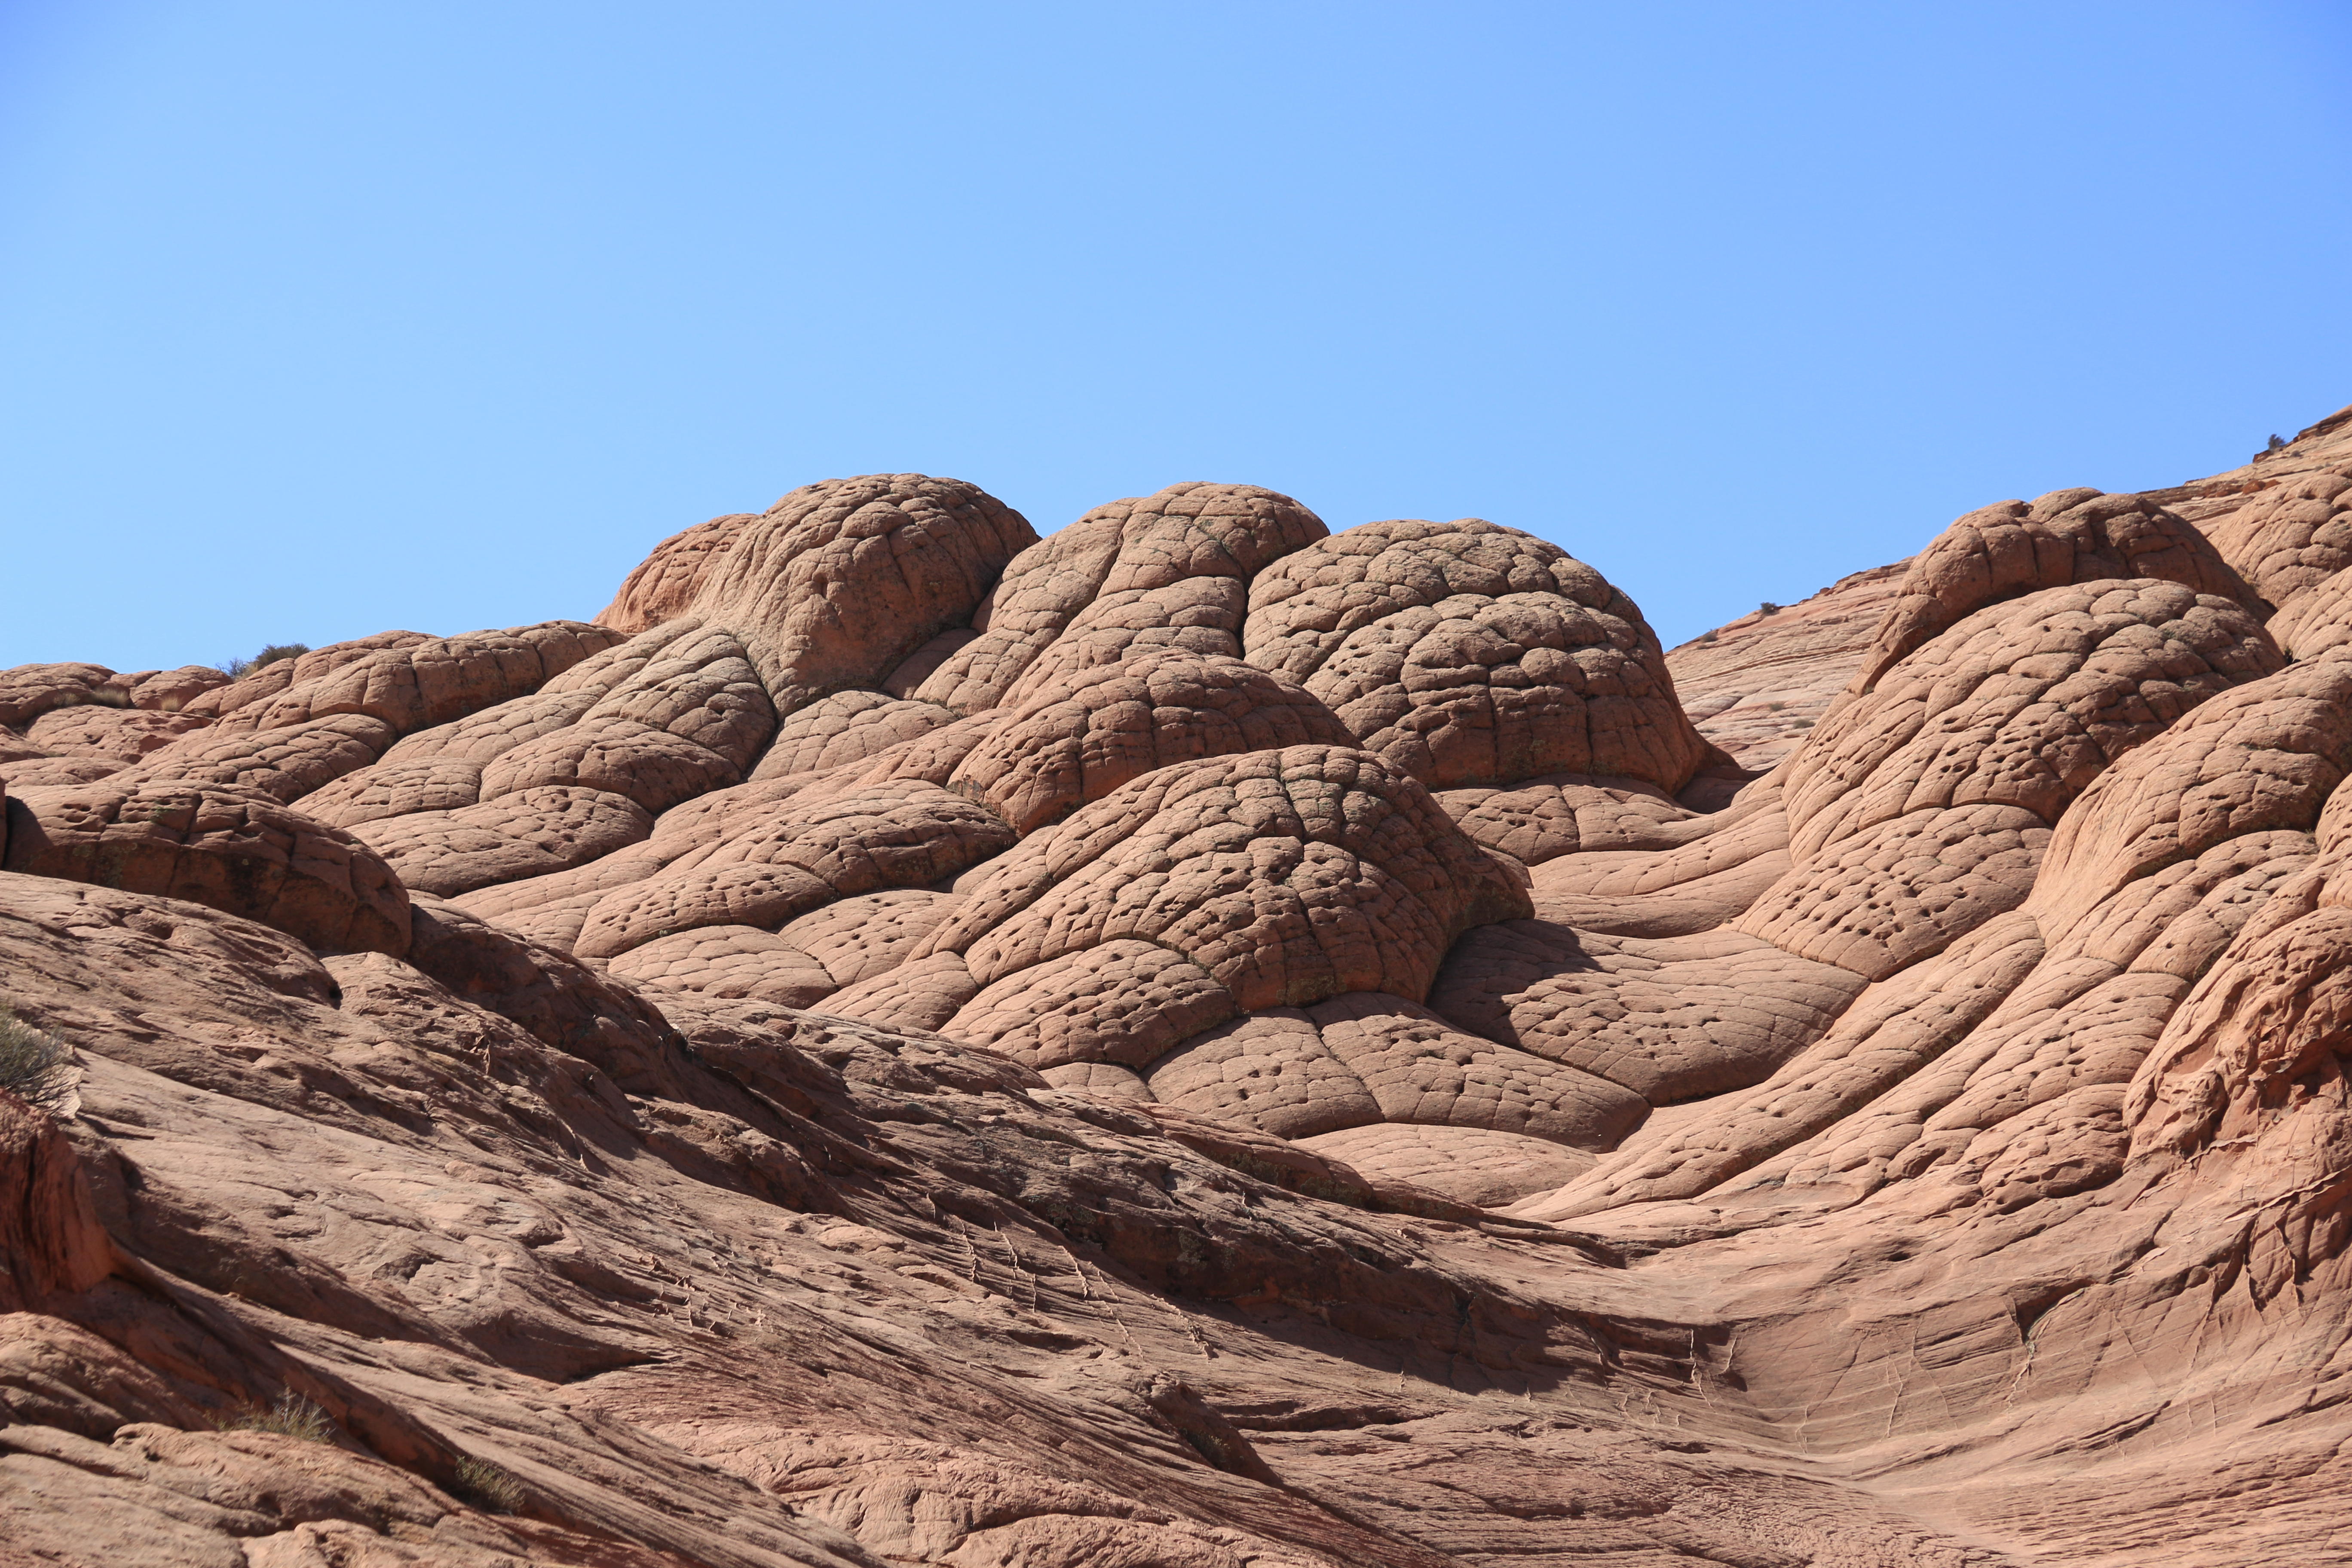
(317, 319)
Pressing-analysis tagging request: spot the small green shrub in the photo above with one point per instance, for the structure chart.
(492, 1489)
(290, 1414)
(234, 668)
(33, 1065)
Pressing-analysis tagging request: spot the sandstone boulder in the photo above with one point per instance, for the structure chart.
(1288, 875)
(846, 727)
(2012, 547)
(529, 832)
(418, 685)
(1084, 736)
(1162, 568)
(1472, 655)
(838, 582)
(2286, 539)
(664, 584)
(226, 849)
(2022, 704)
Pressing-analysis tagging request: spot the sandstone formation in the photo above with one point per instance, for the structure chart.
(1205, 1041)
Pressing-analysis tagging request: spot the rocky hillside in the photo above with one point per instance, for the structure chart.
(1202, 1041)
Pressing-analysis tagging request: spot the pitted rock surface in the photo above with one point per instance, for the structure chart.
(1542, 818)
(422, 684)
(285, 763)
(729, 962)
(2012, 549)
(1082, 737)
(2317, 620)
(860, 938)
(268, 680)
(2022, 704)
(846, 727)
(1288, 876)
(1137, 557)
(783, 866)
(117, 734)
(529, 833)
(835, 584)
(2286, 539)
(395, 789)
(1669, 1019)
(1468, 654)
(1902, 889)
(665, 584)
(942, 1046)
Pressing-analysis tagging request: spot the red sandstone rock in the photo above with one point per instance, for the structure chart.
(169, 690)
(1080, 737)
(232, 850)
(664, 583)
(1468, 654)
(1933, 1153)
(418, 685)
(117, 734)
(30, 691)
(279, 675)
(838, 582)
(1170, 569)
(1290, 875)
(529, 833)
(2010, 549)
(1756, 686)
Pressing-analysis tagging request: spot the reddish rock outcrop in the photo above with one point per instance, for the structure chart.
(908, 1044)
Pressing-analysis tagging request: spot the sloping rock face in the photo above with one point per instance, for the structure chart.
(1205, 1041)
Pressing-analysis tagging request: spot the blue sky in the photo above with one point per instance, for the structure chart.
(320, 320)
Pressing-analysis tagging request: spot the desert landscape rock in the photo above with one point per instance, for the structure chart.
(1206, 1040)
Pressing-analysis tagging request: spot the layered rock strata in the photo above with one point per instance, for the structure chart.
(1204, 1040)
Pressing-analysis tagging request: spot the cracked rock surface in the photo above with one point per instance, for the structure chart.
(1206, 1040)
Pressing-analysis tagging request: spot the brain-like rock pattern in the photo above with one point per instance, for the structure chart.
(1168, 911)
(1674, 891)
(689, 722)
(266, 681)
(119, 734)
(1542, 818)
(529, 833)
(285, 765)
(1288, 876)
(418, 685)
(30, 691)
(1468, 654)
(2013, 547)
(785, 865)
(2261, 758)
(732, 963)
(663, 585)
(1159, 566)
(2022, 704)
(1363, 1056)
(2316, 620)
(838, 582)
(1669, 1019)
(1089, 732)
(846, 727)
(2285, 541)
